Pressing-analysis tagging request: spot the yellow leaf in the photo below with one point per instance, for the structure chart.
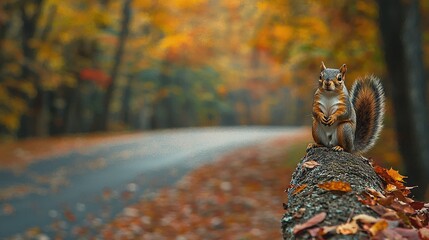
(378, 226)
(395, 175)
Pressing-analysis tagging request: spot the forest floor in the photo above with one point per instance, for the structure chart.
(239, 196)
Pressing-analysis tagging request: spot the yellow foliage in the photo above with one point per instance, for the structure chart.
(186, 4)
(69, 80)
(14, 68)
(142, 4)
(28, 88)
(368, 7)
(9, 120)
(175, 41)
(283, 33)
(17, 104)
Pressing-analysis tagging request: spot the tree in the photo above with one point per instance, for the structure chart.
(126, 16)
(400, 28)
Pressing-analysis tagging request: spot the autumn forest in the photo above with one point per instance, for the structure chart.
(84, 66)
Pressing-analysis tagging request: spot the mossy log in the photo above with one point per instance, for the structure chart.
(339, 206)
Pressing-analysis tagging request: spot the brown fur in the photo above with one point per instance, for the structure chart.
(359, 116)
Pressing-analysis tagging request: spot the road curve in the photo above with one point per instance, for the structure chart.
(90, 186)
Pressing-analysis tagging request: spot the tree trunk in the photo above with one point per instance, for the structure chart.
(126, 102)
(126, 16)
(73, 111)
(400, 28)
(340, 207)
(29, 21)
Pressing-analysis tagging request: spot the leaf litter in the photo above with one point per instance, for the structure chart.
(400, 217)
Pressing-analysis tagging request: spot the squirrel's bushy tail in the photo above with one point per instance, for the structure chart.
(367, 96)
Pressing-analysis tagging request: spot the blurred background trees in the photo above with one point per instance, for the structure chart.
(78, 66)
(82, 66)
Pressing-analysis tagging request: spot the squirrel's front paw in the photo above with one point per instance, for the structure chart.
(338, 149)
(324, 120)
(330, 121)
(312, 145)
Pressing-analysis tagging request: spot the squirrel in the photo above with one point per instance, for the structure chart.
(347, 122)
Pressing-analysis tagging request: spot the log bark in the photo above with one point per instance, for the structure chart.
(339, 206)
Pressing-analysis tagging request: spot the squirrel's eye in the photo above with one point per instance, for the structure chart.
(339, 78)
(320, 77)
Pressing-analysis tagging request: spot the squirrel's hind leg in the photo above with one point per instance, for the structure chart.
(345, 133)
(316, 138)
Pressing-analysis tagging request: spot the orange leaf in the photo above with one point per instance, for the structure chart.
(299, 189)
(310, 164)
(390, 176)
(318, 218)
(336, 186)
(377, 227)
(390, 188)
(395, 175)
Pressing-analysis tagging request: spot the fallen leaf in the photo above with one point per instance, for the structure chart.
(374, 193)
(407, 233)
(328, 229)
(299, 189)
(405, 219)
(363, 218)
(416, 222)
(390, 234)
(401, 206)
(348, 228)
(336, 186)
(366, 199)
(390, 187)
(378, 226)
(424, 233)
(318, 218)
(391, 215)
(380, 210)
(390, 176)
(386, 201)
(395, 175)
(417, 205)
(310, 164)
(314, 232)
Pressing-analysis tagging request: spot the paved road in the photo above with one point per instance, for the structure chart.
(89, 187)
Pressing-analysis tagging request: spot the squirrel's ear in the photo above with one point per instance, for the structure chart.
(343, 69)
(322, 67)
